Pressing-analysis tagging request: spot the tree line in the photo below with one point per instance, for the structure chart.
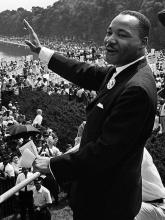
(81, 19)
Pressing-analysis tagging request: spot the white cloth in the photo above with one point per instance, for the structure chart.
(152, 186)
(42, 196)
(162, 112)
(38, 120)
(150, 212)
(9, 170)
(45, 54)
(156, 123)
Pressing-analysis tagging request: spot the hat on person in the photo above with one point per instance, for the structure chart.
(161, 17)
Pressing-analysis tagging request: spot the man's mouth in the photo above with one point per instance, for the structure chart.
(111, 50)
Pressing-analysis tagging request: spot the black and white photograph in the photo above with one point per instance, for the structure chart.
(82, 110)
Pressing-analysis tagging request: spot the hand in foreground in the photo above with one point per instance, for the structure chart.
(41, 164)
(34, 42)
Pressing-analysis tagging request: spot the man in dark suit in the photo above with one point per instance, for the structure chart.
(106, 171)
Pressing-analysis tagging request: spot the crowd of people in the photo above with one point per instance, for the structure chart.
(44, 192)
(33, 75)
(46, 141)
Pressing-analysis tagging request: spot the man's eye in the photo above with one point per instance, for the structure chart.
(122, 35)
(109, 33)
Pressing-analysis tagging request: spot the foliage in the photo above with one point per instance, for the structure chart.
(81, 19)
(59, 114)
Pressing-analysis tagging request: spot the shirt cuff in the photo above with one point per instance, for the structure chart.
(45, 54)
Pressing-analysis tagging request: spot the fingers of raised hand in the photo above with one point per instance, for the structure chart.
(27, 26)
(32, 47)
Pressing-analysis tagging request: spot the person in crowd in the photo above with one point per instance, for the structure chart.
(3, 110)
(79, 94)
(15, 164)
(106, 171)
(6, 167)
(52, 148)
(162, 117)
(38, 119)
(44, 84)
(153, 191)
(39, 83)
(157, 128)
(25, 195)
(79, 133)
(26, 82)
(42, 201)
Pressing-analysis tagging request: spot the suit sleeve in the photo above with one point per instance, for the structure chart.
(82, 74)
(120, 132)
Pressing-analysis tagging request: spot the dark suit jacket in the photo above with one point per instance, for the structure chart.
(107, 168)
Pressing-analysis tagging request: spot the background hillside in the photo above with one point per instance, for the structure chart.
(81, 19)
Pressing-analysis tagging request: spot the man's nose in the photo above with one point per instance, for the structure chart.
(110, 40)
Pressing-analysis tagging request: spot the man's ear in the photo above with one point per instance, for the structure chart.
(144, 42)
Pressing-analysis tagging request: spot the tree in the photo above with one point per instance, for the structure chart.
(59, 114)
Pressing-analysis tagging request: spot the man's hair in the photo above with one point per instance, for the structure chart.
(144, 23)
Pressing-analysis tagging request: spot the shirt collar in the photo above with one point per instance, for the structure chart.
(121, 68)
(40, 190)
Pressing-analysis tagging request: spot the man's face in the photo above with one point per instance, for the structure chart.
(122, 41)
(15, 159)
(37, 185)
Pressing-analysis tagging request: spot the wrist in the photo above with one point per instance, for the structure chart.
(38, 49)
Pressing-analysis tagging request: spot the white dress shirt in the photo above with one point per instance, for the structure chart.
(42, 196)
(9, 170)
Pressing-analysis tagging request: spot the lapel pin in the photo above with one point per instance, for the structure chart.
(111, 83)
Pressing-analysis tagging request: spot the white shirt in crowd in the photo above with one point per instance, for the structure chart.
(162, 112)
(9, 170)
(38, 120)
(42, 196)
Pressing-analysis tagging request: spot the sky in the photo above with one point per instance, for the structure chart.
(26, 4)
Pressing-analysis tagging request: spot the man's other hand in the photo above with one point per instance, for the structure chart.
(41, 164)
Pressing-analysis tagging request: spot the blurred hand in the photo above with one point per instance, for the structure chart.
(41, 164)
(34, 42)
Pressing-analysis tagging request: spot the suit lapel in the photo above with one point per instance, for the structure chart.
(121, 79)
